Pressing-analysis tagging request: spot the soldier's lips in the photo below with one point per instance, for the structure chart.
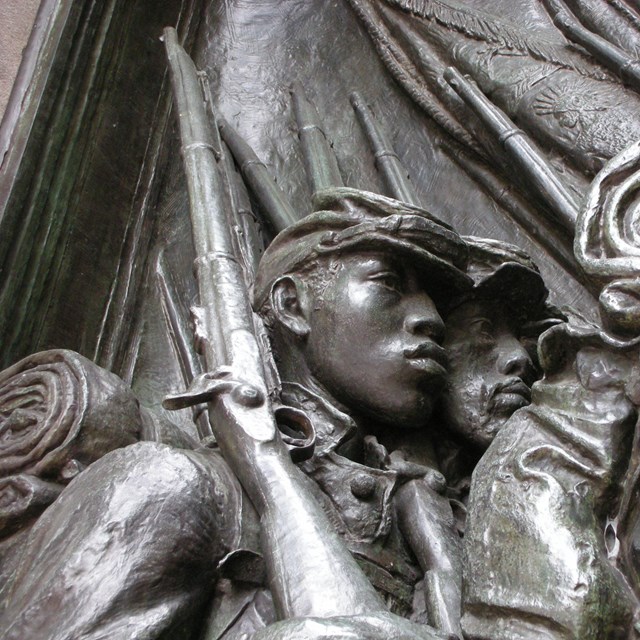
(429, 358)
(510, 395)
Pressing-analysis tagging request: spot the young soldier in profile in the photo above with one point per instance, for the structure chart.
(135, 545)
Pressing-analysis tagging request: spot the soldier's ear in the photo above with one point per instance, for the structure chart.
(290, 304)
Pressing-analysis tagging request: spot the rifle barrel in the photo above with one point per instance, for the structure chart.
(319, 157)
(223, 300)
(386, 159)
(540, 175)
(263, 186)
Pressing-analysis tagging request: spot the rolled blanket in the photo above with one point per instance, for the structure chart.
(59, 412)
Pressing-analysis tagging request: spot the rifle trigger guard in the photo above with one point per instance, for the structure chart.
(296, 431)
(206, 387)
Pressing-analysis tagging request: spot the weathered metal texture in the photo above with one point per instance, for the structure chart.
(446, 393)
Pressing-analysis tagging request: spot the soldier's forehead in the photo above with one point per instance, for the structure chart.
(366, 255)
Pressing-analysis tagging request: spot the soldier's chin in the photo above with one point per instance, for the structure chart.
(415, 413)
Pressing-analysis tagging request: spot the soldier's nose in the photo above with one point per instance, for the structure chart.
(513, 358)
(424, 320)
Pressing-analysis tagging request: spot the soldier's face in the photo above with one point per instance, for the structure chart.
(490, 372)
(373, 341)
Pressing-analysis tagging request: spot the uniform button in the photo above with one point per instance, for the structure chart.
(363, 486)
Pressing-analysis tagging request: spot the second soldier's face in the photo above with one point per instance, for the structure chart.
(490, 372)
(373, 341)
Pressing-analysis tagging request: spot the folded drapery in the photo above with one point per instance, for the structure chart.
(22, 499)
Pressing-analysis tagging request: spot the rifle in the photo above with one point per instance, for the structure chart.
(605, 52)
(386, 159)
(540, 175)
(310, 571)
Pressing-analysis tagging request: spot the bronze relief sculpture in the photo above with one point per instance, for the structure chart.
(398, 434)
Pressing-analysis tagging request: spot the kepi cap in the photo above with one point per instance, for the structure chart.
(351, 220)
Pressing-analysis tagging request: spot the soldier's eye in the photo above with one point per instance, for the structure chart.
(482, 327)
(388, 279)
